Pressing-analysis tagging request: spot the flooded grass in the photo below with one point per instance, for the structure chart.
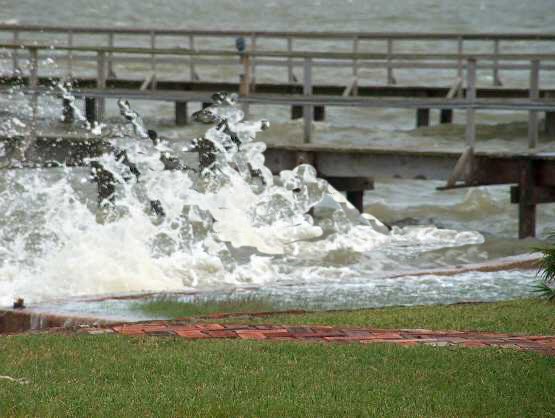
(525, 316)
(174, 307)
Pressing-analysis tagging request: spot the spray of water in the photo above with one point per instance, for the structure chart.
(209, 215)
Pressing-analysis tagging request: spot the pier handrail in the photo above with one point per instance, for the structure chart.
(485, 36)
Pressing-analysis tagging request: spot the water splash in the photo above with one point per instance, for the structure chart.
(219, 219)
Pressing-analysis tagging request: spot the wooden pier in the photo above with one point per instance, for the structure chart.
(348, 168)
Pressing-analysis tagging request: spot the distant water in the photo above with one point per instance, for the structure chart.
(317, 15)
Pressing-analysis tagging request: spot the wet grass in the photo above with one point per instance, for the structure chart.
(108, 375)
(526, 316)
(172, 307)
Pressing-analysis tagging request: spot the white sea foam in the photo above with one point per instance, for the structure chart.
(229, 223)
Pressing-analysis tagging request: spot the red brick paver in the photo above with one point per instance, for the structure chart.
(405, 337)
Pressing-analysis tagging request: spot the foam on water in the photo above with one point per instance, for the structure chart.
(227, 222)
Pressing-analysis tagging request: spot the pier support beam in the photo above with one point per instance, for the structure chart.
(422, 117)
(446, 116)
(67, 111)
(181, 113)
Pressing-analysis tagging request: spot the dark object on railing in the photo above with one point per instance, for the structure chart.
(19, 304)
(240, 44)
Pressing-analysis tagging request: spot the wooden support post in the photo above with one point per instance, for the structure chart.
(14, 53)
(534, 94)
(390, 77)
(422, 117)
(308, 109)
(181, 113)
(91, 110)
(101, 84)
(446, 116)
(496, 79)
(470, 130)
(356, 197)
(526, 204)
(67, 111)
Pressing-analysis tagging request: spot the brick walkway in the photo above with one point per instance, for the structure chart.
(407, 337)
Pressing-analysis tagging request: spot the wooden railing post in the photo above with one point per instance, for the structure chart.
(496, 79)
(14, 54)
(460, 61)
(290, 74)
(153, 60)
(192, 72)
(101, 82)
(70, 54)
(245, 80)
(534, 94)
(390, 76)
(111, 72)
(253, 64)
(354, 90)
(307, 109)
(470, 131)
(33, 84)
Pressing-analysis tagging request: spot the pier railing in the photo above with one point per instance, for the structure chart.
(532, 62)
(288, 45)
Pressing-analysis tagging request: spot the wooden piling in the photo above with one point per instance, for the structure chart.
(319, 113)
(356, 197)
(296, 112)
(550, 124)
(181, 113)
(446, 116)
(422, 117)
(67, 111)
(91, 110)
(526, 204)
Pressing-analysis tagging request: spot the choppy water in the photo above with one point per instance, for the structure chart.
(90, 258)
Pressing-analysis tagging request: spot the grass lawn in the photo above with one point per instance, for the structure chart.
(527, 316)
(107, 375)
